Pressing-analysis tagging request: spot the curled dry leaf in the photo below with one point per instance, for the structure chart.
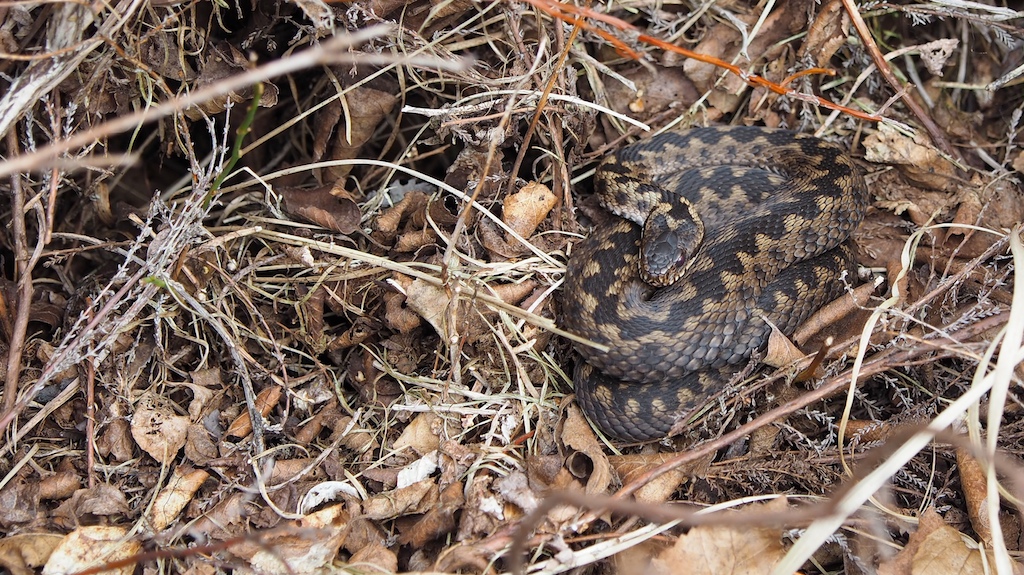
(23, 554)
(781, 351)
(88, 547)
(655, 89)
(367, 108)
(938, 549)
(724, 41)
(414, 202)
(224, 60)
(974, 485)
(419, 435)
(200, 447)
(578, 436)
(631, 466)
(59, 485)
(329, 206)
(416, 498)
(827, 33)
(375, 558)
(266, 400)
(115, 441)
(438, 521)
(19, 502)
(101, 500)
(921, 163)
(524, 210)
(181, 486)
(157, 429)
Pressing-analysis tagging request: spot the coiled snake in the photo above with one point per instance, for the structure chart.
(718, 230)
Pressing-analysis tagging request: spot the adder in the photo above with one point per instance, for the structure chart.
(716, 232)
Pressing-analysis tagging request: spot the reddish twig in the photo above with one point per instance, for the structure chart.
(573, 14)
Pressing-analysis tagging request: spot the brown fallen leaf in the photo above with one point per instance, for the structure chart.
(329, 206)
(629, 467)
(524, 210)
(938, 549)
(781, 351)
(158, 429)
(374, 558)
(92, 546)
(416, 498)
(224, 60)
(19, 502)
(419, 435)
(103, 500)
(588, 460)
(181, 486)
(23, 554)
(828, 33)
(266, 400)
(974, 486)
(713, 550)
(438, 521)
(309, 548)
(920, 163)
(365, 110)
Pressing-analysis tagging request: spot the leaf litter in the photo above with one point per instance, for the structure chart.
(349, 359)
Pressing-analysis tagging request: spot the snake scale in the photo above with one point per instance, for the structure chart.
(715, 231)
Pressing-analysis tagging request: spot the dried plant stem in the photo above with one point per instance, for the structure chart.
(24, 277)
(934, 131)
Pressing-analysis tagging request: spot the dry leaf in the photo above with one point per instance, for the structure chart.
(23, 554)
(308, 549)
(329, 206)
(419, 435)
(827, 33)
(921, 164)
(367, 108)
(974, 486)
(578, 436)
(266, 400)
(181, 486)
(93, 546)
(713, 550)
(102, 500)
(200, 447)
(524, 210)
(937, 549)
(375, 558)
(224, 60)
(157, 429)
(19, 502)
(629, 467)
(59, 485)
(115, 441)
(438, 521)
(781, 352)
(416, 498)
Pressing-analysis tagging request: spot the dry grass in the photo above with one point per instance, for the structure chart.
(357, 260)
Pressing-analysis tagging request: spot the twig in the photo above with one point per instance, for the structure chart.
(24, 276)
(934, 131)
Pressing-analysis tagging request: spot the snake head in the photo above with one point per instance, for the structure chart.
(672, 234)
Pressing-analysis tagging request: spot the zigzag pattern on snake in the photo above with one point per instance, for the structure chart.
(772, 210)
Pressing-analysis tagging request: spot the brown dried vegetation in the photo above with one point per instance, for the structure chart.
(331, 343)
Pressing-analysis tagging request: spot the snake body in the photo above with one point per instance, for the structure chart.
(755, 222)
